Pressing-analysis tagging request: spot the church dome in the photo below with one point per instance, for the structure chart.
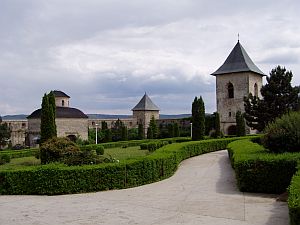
(61, 112)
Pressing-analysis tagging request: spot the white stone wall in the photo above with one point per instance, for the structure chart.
(64, 126)
(243, 84)
(59, 100)
(18, 130)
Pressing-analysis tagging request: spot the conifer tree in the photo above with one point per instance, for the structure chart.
(52, 114)
(45, 120)
(4, 133)
(217, 125)
(198, 119)
(240, 124)
(278, 95)
(176, 130)
(141, 134)
(152, 131)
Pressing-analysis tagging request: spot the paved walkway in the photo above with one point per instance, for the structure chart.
(203, 191)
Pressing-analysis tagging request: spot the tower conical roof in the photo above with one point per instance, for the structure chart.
(238, 61)
(145, 104)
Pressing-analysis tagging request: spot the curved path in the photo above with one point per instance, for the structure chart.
(202, 191)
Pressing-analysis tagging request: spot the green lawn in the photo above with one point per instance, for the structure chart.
(125, 153)
(117, 153)
(16, 163)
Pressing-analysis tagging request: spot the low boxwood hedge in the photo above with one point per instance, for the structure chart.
(20, 153)
(294, 199)
(55, 179)
(257, 170)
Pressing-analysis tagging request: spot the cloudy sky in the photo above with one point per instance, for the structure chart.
(106, 54)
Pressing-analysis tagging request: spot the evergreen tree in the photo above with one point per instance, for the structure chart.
(52, 106)
(117, 130)
(278, 95)
(104, 125)
(48, 126)
(170, 128)
(141, 134)
(152, 131)
(217, 124)
(198, 119)
(240, 124)
(4, 133)
(124, 133)
(202, 118)
(176, 130)
(45, 120)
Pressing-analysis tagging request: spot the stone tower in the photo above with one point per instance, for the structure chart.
(235, 79)
(144, 111)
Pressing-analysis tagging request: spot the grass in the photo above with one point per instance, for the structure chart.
(125, 153)
(117, 153)
(16, 163)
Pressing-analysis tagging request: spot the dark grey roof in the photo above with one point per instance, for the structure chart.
(238, 61)
(61, 112)
(60, 94)
(145, 104)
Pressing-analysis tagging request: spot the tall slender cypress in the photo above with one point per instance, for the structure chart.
(198, 119)
(52, 105)
(240, 124)
(217, 124)
(202, 118)
(45, 122)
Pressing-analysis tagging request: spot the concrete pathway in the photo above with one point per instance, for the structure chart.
(203, 191)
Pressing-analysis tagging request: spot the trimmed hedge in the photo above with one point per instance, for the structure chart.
(257, 170)
(20, 153)
(53, 179)
(294, 200)
(153, 145)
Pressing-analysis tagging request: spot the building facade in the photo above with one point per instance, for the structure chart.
(235, 79)
(70, 122)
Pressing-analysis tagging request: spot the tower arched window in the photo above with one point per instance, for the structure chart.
(62, 103)
(230, 89)
(255, 90)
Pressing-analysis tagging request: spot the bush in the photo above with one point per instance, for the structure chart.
(257, 170)
(83, 158)
(283, 135)
(55, 149)
(294, 200)
(98, 148)
(54, 179)
(4, 158)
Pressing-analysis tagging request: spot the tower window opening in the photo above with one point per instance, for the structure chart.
(230, 90)
(62, 102)
(255, 90)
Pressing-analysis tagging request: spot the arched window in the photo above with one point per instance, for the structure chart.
(62, 103)
(255, 90)
(230, 90)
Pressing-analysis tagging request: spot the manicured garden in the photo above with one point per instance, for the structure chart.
(271, 165)
(53, 178)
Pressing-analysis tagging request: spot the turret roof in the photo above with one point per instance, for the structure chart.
(145, 104)
(238, 61)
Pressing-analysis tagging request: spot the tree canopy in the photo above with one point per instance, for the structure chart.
(4, 133)
(198, 119)
(48, 126)
(278, 97)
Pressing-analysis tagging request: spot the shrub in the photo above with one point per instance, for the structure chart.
(283, 135)
(98, 148)
(83, 158)
(4, 158)
(294, 200)
(257, 170)
(55, 149)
